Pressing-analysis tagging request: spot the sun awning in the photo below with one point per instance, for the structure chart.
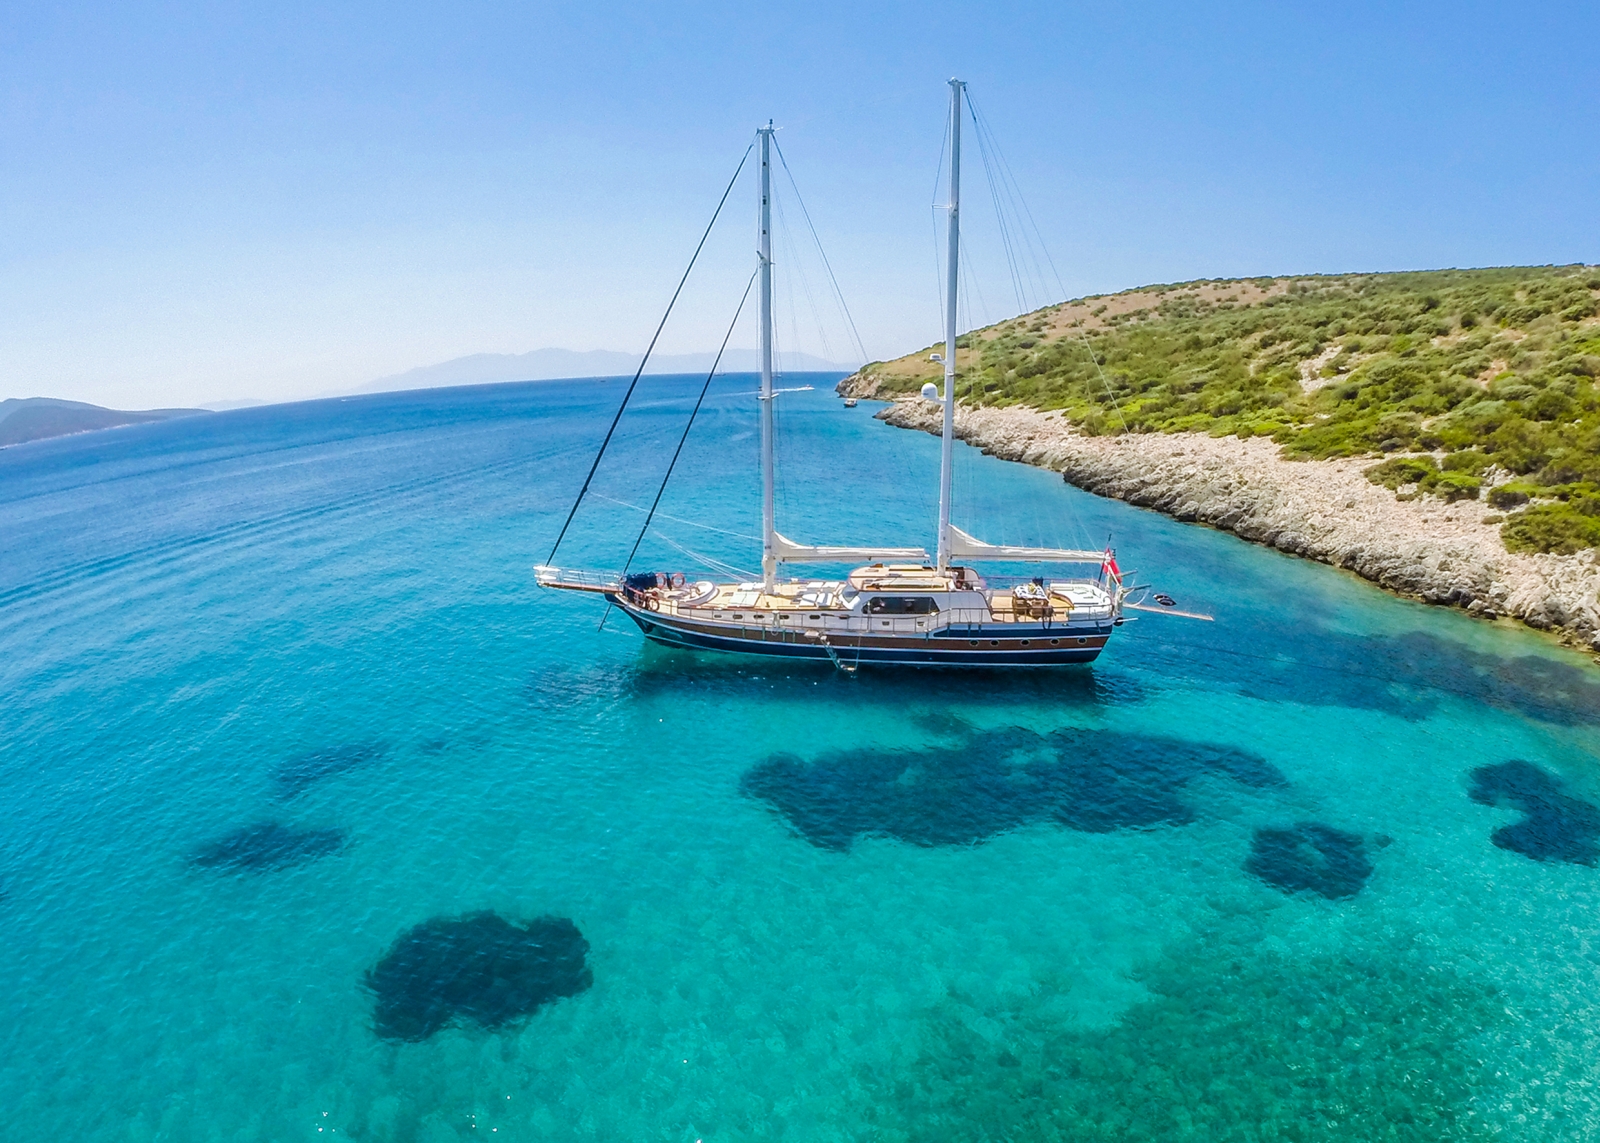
(965, 547)
(788, 551)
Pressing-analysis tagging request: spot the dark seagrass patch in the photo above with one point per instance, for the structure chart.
(1094, 781)
(1311, 857)
(298, 774)
(1556, 826)
(478, 968)
(267, 846)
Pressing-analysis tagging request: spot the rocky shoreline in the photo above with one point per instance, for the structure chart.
(1425, 548)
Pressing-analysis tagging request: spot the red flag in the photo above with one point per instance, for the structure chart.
(1110, 567)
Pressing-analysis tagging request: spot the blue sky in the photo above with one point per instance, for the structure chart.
(277, 200)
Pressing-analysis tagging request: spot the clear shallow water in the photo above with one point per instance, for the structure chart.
(817, 907)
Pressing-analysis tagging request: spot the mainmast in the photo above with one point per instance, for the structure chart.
(769, 553)
(952, 274)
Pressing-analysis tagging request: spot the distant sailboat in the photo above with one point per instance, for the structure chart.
(898, 606)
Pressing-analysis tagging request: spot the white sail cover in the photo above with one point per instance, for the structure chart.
(788, 551)
(965, 547)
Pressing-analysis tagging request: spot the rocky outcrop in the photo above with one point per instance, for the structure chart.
(1324, 510)
(868, 384)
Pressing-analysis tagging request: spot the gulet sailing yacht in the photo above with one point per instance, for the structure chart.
(899, 606)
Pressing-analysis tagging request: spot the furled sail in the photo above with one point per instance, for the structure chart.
(788, 551)
(965, 547)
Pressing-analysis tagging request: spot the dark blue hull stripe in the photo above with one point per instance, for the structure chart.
(671, 636)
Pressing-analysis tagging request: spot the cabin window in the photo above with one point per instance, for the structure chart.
(813, 617)
(972, 642)
(1025, 642)
(1055, 642)
(1082, 640)
(994, 642)
(738, 615)
(902, 605)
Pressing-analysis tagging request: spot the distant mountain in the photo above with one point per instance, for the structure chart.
(550, 364)
(241, 403)
(24, 419)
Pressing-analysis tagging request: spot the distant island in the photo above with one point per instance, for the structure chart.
(40, 418)
(1448, 422)
(24, 419)
(563, 364)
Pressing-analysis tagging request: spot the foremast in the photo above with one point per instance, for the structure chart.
(777, 549)
(769, 531)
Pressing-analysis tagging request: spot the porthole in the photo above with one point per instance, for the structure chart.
(1025, 642)
(738, 615)
(972, 642)
(1055, 642)
(813, 617)
(994, 642)
(1081, 640)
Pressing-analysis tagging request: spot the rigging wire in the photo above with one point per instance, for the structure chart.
(1004, 188)
(695, 412)
(1006, 243)
(593, 468)
(987, 143)
(1008, 178)
(823, 254)
(938, 263)
(678, 519)
(704, 560)
(934, 208)
(791, 257)
(970, 289)
(780, 290)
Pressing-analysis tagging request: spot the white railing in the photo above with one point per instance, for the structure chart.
(576, 579)
(963, 618)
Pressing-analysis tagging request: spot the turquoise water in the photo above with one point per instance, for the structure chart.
(903, 906)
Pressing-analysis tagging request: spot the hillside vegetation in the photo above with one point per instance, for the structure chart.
(1463, 383)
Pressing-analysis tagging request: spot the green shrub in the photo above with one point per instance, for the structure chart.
(1453, 486)
(1403, 470)
(1559, 528)
(1512, 494)
(1468, 460)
